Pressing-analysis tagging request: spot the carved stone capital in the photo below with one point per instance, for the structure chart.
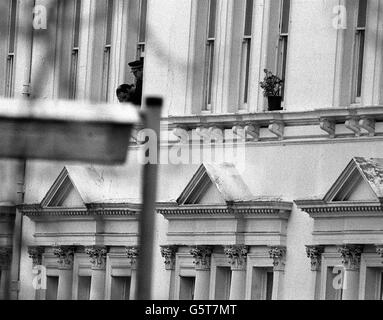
(351, 255)
(237, 255)
(97, 257)
(169, 254)
(202, 257)
(132, 253)
(315, 254)
(65, 255)
(36, 254)
(5, 258)
(278, 254)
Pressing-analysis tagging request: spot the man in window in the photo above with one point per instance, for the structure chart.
(125, 93)
(137, 70)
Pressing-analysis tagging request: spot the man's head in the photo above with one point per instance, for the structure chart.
(137, 68)
(124, 92)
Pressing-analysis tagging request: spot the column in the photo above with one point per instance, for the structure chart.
(202, 259)
(39, 273)
(97, 256)
(133, 253)
(65, 255)
(278, 254)
(169, 254)
(5, 262)
(238, 258)
(351, 255)
(314, 253)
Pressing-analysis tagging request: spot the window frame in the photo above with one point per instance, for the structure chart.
(358, 54)
(13, 10)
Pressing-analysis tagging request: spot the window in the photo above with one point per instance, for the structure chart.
(209, 58)
(283, 41)
(84, 287)
(142, 29)
(52, 287)
(223, 283)
(107, 50)
(187, 285)
(334, 284)
(9, 76)
(262, 286)
(75, 50)
(246, 50)
(120, 288)
(359, 50)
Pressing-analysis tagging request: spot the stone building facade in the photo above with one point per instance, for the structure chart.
(253, 204)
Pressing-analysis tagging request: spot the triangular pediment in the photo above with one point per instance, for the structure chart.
(215, 184)
(358, 182)
(63, 193)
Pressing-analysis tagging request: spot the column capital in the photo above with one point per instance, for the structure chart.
(36, 254)
(65, 255)
(379, 249)
(97, 256)
(237, 255)
(132, 253)
(169, 254)
(278, 254)
(315, 254)
(202, 257)
(5, 258)
(351, 255)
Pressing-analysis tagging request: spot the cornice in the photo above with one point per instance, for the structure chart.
(311, 117)
(320, 208)
(257, 208)
(113, 210)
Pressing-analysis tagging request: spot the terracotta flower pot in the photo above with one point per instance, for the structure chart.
(275, 103)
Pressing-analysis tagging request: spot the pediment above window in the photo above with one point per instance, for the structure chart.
(352, 208)
(217, 208)
(63, 193)
(215, 184)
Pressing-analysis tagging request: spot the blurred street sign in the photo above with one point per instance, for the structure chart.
(66, 130)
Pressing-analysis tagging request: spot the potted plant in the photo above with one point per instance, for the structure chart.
(271, 86)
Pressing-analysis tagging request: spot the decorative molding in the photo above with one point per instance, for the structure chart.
(97, 256)
(252, 132)
(36, 254)
(182, 135)
(65, 255)
(314, 253)
(202, 257)
(353, 125)
(204, 134)
(237, 255)
(216, 134)
(351, 255)
(368, 124)
(277, 128)
(92, 210)
(328, 125)
(260, 208)
(132, 253)
(379, 250)
(5, 258)
(278, 254)
(169, 254)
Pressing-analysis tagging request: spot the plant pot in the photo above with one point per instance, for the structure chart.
(275, 103)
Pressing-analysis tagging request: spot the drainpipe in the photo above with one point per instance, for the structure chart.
(25, 9)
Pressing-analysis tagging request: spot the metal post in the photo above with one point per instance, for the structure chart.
(147, 218)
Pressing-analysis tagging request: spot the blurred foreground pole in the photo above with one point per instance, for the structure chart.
(147, 217)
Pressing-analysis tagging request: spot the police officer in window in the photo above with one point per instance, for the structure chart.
(132, 93)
